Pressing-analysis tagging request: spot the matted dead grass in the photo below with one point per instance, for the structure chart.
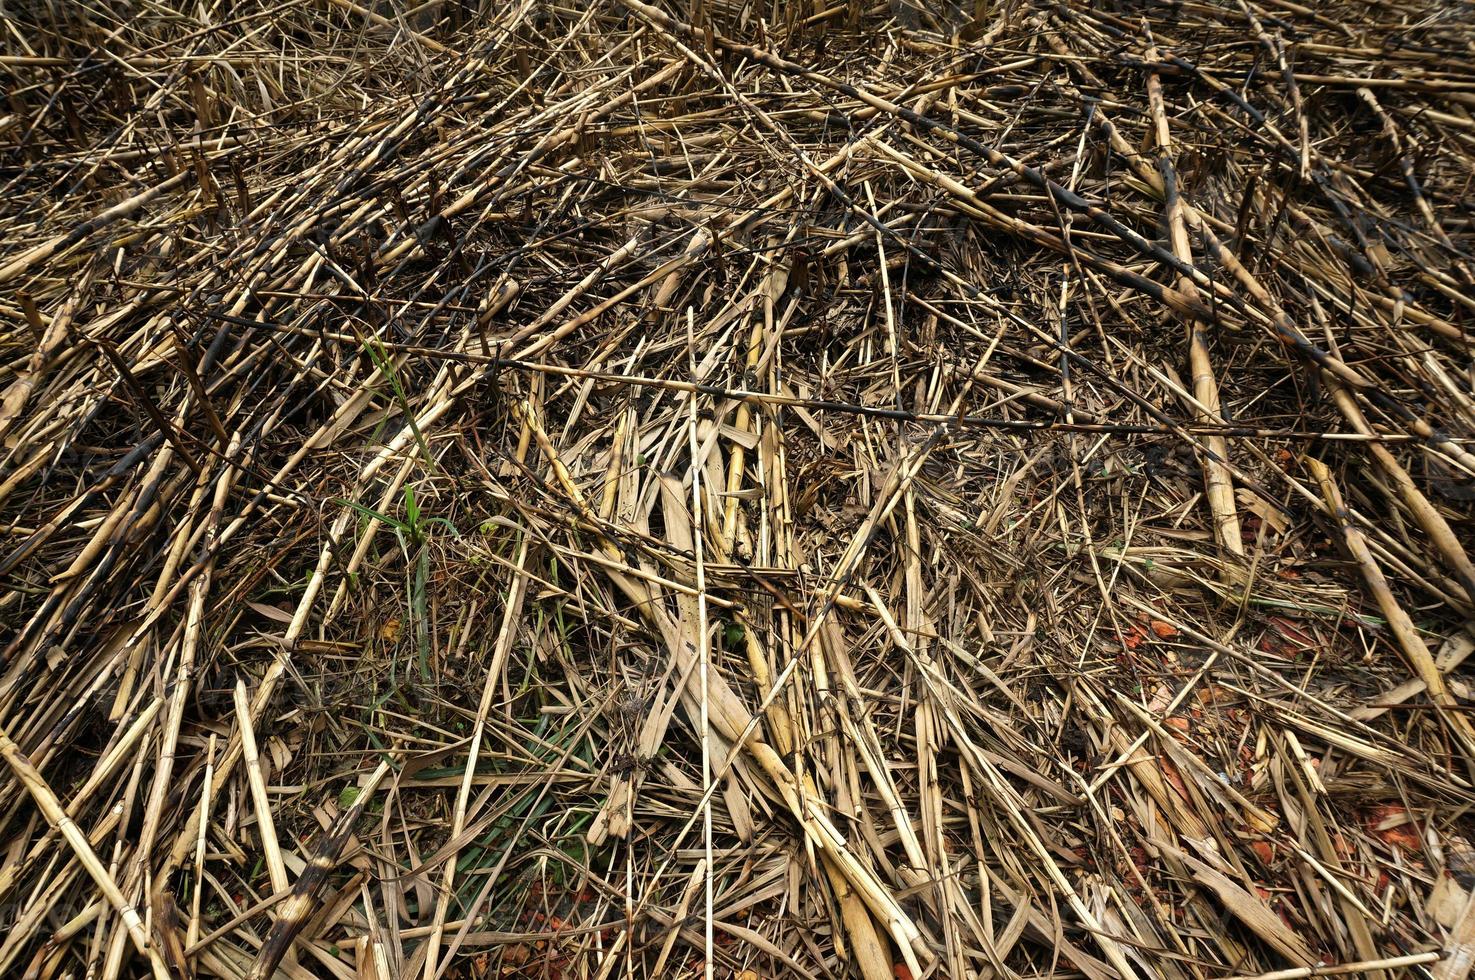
(754, 489)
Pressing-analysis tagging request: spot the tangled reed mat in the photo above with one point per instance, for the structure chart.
(739, 488)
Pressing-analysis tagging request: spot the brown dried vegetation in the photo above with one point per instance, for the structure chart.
(637, 490)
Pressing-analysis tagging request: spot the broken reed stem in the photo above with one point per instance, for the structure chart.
(193, 935)
(1405, 634)
(1218, 484)
(1343, 969)
(265, 826)
(703, 652)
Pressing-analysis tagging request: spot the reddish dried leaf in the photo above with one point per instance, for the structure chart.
(1165, 631)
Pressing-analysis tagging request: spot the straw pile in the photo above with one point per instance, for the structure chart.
(731, 488)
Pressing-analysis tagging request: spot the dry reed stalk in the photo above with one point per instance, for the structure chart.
(265, 824)
(1219, 487)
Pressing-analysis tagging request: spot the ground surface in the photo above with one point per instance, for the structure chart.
(606, 490)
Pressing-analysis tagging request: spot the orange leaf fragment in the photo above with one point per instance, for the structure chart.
(1165, 631)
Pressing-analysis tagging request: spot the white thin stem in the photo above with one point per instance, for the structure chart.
(703, 648)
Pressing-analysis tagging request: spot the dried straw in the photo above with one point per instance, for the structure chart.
(737, 489)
